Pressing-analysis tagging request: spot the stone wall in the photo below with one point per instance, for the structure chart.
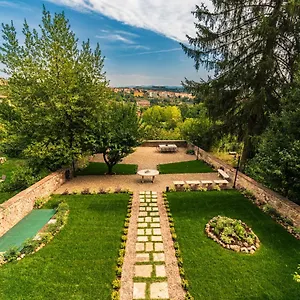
(155, 143)
(286, 207)
(17, 207)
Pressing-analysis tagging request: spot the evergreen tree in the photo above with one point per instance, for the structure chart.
(253, 47)
(56, 90)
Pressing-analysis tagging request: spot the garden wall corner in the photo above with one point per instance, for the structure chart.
(16, 208)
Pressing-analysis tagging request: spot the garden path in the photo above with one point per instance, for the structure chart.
(150, 268)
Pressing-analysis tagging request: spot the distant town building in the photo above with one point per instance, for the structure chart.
(137, 93)
(143, 103)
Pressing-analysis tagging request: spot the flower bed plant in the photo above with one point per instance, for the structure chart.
(232, 234)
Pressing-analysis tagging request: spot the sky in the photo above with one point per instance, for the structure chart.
(139, 38)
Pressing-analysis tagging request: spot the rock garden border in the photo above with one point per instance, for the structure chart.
(240, 244)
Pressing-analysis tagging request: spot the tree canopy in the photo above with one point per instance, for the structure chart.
(56, 90)
(253, 47)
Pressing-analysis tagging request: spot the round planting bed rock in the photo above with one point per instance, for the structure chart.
(232, 234)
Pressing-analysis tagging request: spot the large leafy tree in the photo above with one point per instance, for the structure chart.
(277, 163)
(56, 90)
(253, 47)
(119, 133)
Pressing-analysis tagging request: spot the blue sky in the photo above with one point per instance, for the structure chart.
(139, 38)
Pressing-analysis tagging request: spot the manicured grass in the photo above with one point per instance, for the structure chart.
(80, 262)
(217, 273)
(193, 166)
(96, 168)
(7, 168)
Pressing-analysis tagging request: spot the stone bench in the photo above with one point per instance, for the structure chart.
(207, 183)
(179, 185)
(223, 174)
(221, 183)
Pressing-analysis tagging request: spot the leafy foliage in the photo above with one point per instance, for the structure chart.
(121, 130)
(277, 163)
(253, 48)
(56, 91)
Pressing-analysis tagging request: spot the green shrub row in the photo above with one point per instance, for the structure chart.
(286, 222)
(116, 284)
(184, 281)
(101, 191)
(31, 246)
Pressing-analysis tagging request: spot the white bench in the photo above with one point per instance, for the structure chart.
(223, 174)
(3, 178)
(207, 183)
(223, 182)
(193, 183)
(178, 184)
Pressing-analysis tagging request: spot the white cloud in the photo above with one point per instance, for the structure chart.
(155, 51)
(115, 37)
(171, 18)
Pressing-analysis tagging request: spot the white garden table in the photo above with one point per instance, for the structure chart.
(167, 148)
(148, 173)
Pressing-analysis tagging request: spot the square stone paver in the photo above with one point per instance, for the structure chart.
(142, 238)
(148, 219)
(142, 257)
(160, 271)
(159, 256)
(148, 193)
(148, 208)
(143, 214)
(154, 214)
(159, 247)
(139, 246)
(139, 290)
(155, 225)
(141, 220)
(154, 193)
(159, 290)
(156, 231)
(143, 204)
(148, 231)
(156, 238)
(154, 208)
(141, 231)
(141, 225)
(142, 200)
(142, 208)
(148, 200)
(142, 193)
(156, 219)
(142, 270)
(149, 246)
(153, 204)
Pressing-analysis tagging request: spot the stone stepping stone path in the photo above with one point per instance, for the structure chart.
(152, 266)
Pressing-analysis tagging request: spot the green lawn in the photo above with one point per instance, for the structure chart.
(96, 168)
(217, 273)
(11, 165)
(80, 262)
(193, 166)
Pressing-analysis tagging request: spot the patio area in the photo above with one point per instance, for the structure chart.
(145, 158)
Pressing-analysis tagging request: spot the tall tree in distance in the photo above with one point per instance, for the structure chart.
(253, 47)
(56, 90)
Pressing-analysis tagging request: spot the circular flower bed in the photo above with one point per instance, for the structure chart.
(232, 234)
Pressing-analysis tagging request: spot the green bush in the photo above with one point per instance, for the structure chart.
(21, 179)
(29, 246)
(11, 254)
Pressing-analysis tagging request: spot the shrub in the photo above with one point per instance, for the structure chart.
(101, 191)
(85, 191)
(21, 179)
(296, 276)
(40, 202)
(190, 151)
(29, 246)
(11, 254)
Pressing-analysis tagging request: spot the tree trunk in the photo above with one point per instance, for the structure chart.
(110, 168)
(246, 152)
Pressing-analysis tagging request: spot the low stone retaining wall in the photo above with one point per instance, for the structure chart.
(286, 207)
(155, 143)
(17, 207)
